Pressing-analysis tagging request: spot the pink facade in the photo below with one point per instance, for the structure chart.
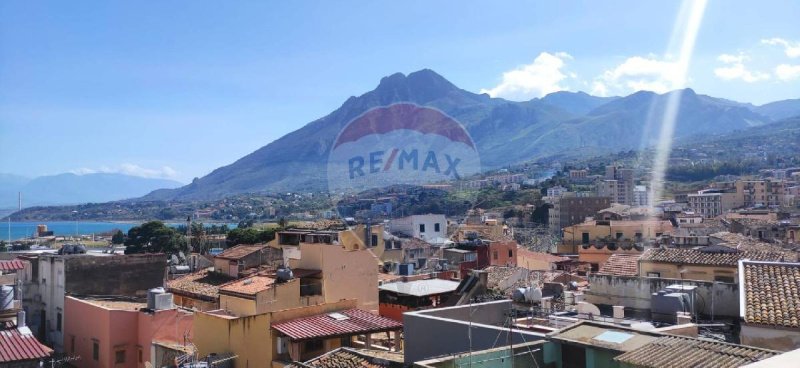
(117, 334)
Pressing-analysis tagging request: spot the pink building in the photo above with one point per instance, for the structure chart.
(109, 332)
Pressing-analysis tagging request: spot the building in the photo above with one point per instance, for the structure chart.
(716, 263)
(260, 293)
(538, 261)
(234, 260)
(350, 357)
(685, 352)
(420, 226)
(198, 290)
(618, 185)
(556, 191)
(571, 210)
(19, 348)
(641, 196)
(49, 278)
(124, 332)
(595, 241)
(761, 193)
(399, 297)
(770, 304)
(712, 203)
(280, 337)
(433, 333)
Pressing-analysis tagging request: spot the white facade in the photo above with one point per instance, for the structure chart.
(43, 292)
(556, 191)
(641, 196)
(420, 226)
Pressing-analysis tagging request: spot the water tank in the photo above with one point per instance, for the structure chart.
(518, 295)
(6, 297)
(533, 295)
(151, 296)
(406, 269)
(284, 274)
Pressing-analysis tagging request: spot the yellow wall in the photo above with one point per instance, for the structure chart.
(278, 297)
(693, 272)
(247, 337)
(648, 229)
(346, 274)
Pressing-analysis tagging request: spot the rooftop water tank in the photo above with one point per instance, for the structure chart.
(151, 296)
(6, 297)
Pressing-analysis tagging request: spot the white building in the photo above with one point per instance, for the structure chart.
(420, 226)
(640, 196)
(556, 191)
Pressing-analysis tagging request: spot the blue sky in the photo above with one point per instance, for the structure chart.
(176, 89)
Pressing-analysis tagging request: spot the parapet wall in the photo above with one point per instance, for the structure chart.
(114, 275)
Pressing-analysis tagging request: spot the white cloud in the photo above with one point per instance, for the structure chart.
(792, 49)
(786, 72)
(735, 69)
(543, 76)
(639, 73)
(165, 172)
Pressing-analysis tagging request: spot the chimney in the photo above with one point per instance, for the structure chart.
(619, 313)
(683, 318)
(21, 319)
(368, 234)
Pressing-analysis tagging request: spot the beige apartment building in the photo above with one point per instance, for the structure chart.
(762, 192)
(712, 203)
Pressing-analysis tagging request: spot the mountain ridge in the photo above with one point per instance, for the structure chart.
(506, 132)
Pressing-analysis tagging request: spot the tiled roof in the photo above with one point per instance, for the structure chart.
(540, 256)
(20, 345)
(202, 284)
(11, 265)
(249, 286)
(620, 264)
(356, 321)
(698, 257)
(239, 251)
(772, 293)
(679, 352)
(345, 358)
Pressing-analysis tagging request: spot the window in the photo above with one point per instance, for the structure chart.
(436, 227)
(374, 240)
(119, 357)
(585, 238)
(510, 253)
(494, 255)
(58, 322)
(654, 274)
(728, 279)
(95, 350)
(422, 228)
(469, 257)
(387, 244)
(312, 345)
(638, 236)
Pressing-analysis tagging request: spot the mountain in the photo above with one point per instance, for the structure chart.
(72, 189)
(780, 109)
(505, 132)
(578, 103)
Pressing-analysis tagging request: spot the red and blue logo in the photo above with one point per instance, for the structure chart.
(401, 143)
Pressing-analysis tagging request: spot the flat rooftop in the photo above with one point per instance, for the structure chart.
(421, 287)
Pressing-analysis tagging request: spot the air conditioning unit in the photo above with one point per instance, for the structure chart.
(282, 345)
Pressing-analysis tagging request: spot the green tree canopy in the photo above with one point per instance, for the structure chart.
(249, 236)
(118, 237)
(154, 237)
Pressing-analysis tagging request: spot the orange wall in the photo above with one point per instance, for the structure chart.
(392, 311)
(502, 249)
(115, 330)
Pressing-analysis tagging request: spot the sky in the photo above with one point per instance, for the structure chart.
(176, 89)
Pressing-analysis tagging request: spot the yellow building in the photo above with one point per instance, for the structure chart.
(711, 263)
(596, 241)
(257, 344)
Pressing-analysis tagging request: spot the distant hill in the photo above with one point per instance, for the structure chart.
(506, 132)
(74, 189)
(780, 109)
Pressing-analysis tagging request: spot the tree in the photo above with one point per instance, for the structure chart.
(118, 237)
(154, 237)
(249, 236)
(3, 246)
(282, 223)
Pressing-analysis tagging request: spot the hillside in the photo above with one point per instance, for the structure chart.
(505, 132)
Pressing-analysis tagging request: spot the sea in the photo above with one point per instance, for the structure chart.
(20, 230)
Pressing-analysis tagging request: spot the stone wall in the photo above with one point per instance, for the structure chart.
(128, 275)
(634, 292)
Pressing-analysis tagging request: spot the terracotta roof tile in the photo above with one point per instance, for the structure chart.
(679, 352)
(699, 257)
(239, 251)
(11, 265)
(249, 286)
(620, 264)
(203, 284)
(20, 345)
(345, 358)
(772, 293)
(355, 321)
